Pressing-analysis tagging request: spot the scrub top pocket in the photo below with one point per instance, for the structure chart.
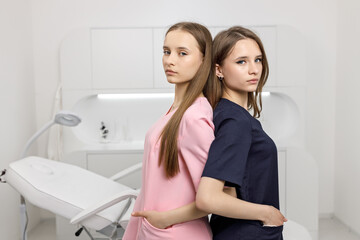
(149, 232)
(270, 233)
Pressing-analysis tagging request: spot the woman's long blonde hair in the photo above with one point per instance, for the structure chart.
(223, 44)
(169, 148)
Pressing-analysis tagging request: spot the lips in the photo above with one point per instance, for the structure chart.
(170, 72)
(253, 81)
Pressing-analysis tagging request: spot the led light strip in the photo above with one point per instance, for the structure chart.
(146, 95)
(136, 96)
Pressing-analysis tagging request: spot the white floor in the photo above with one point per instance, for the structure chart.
(332, 229)
(329, 229)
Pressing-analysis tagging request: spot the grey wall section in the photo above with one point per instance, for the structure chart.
(17, 102)
(347, 133)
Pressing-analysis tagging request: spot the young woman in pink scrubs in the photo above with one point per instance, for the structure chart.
(177, 145)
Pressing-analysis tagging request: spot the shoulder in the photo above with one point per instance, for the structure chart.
(200, 109)
(197, 119)
(227, 111)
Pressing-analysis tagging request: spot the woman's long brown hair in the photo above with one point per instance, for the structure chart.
(169, 147)
(223, 44)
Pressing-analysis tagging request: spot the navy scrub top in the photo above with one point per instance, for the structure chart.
(245, 157)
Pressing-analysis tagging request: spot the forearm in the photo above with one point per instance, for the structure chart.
(190, 211)
(211, 198)
(183, 214)
(229, 206)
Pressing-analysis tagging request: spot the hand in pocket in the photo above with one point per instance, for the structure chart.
(155, 218)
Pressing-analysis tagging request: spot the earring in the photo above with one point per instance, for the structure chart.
(220, 78)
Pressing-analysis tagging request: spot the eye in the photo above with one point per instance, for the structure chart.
(182, 53)
(258, 60)
(241, 62)
(166, 52)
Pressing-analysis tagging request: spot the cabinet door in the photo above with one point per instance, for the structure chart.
(110, 164)
(75, 60)
(215, 30)
(268, 35)
(160, 80)
(122, 58)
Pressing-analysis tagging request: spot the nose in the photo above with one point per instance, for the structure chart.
(168, 59)
(254, 68)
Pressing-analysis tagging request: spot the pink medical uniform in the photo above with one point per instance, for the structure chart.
(196, 133)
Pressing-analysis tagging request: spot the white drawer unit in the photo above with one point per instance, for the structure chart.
(110, 164)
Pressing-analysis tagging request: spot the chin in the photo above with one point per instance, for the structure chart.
(251, 90)
(171, 81)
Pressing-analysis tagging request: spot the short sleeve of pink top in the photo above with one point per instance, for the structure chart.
(196, 134)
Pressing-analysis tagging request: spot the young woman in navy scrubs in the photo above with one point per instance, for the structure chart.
(242, 155)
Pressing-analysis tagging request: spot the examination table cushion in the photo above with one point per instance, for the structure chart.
(66, 189)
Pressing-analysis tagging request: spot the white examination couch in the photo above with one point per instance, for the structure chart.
(88, 199)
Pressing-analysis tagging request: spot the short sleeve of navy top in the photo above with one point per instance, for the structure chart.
(245, 157)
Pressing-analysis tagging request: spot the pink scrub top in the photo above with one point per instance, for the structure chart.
(196, 133)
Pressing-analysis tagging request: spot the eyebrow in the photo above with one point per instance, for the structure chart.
(245, 57)
(179, 48)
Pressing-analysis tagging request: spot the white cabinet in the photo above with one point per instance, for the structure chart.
(122, 58)
(131, 58)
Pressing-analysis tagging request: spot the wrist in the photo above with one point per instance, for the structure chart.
(166, 219)
(265, 213)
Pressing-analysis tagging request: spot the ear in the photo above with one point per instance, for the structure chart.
(218, 70)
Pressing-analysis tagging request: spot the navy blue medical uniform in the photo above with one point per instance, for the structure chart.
(245, 157)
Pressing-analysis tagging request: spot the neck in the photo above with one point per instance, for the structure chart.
(240, 98)
(180, 90)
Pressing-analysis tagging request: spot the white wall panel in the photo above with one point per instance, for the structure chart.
(17, 102)
(347, 177)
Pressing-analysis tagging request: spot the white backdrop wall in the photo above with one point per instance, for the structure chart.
(315, 20)
(347, 177)
(17, 103)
